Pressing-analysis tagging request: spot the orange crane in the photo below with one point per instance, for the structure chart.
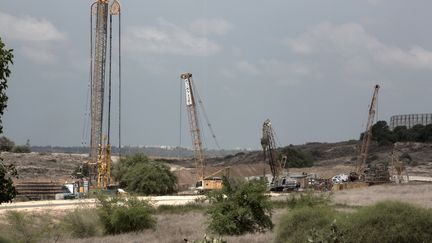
(203, 182)
(367, 135)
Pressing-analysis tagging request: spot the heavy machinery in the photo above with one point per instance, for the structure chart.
(280, 180)
(204, 183)
(399, 172)
(100, 148)
(377, 173)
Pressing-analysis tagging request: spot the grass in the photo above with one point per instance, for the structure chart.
(181, 209)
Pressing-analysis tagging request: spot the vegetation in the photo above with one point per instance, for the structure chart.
(239, 208)
(296, 158)
(138, 174)
(387, 221)
(25, 227)
(82, 223)
(120, 215)
(384, 136)
(180, 209)
(7, 190)
(308, 199)
(297, 225)
(6, 144)
(21, 149)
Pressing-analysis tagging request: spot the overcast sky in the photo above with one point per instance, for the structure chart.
(309, 66)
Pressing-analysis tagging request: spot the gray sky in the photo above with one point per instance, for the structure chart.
(309, 66)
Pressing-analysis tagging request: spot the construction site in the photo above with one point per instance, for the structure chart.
(384, 162)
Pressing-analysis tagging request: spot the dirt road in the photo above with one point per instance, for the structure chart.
(71, 204)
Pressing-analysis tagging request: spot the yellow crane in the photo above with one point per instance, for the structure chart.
(100, 146)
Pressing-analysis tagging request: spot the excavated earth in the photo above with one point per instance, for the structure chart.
(330, 159)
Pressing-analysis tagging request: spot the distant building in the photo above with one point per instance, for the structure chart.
(410, 120)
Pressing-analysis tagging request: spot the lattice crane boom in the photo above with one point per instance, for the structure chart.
(269, 148)
(367, 135)
(194, 125)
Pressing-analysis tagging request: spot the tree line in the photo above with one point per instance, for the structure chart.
(382, 134)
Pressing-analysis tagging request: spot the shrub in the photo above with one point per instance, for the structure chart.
(120, 215)
(25, 227)
(239, 208)
(299, 224)
(82, 223)
(390, 221)
(21, 149)
(6, 144)
(138, 174)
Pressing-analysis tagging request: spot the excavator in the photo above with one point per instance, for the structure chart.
(212, 181)
(280, 180)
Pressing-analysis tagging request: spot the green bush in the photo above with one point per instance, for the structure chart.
(138, 174)
(82, 223)
(385, 222)
(299, 224)
(389, 221)
(120, 215)
(239, 208)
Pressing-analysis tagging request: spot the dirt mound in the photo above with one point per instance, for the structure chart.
(43, 166)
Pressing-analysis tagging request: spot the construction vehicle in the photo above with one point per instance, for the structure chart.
(377, 173)
(399, 173)
(280, 181)
(203, 183)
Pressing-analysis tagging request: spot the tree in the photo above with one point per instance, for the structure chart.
(139, 174)
(239, 208)
(6, 144)
(382, 134)
(7, 190)
(297, 158)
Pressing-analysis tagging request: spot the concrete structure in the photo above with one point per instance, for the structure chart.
(410, 120)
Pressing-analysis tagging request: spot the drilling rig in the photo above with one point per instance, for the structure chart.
(100, 147)
(379, 172)
(280, 180)
(204, 183)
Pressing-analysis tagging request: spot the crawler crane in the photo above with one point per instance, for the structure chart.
(209, 182)
(280, 180)
(379, 173)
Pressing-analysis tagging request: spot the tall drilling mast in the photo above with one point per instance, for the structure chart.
(367, 135)
(269, 148)
(194, 125)
(100, 8)
(100, 149)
